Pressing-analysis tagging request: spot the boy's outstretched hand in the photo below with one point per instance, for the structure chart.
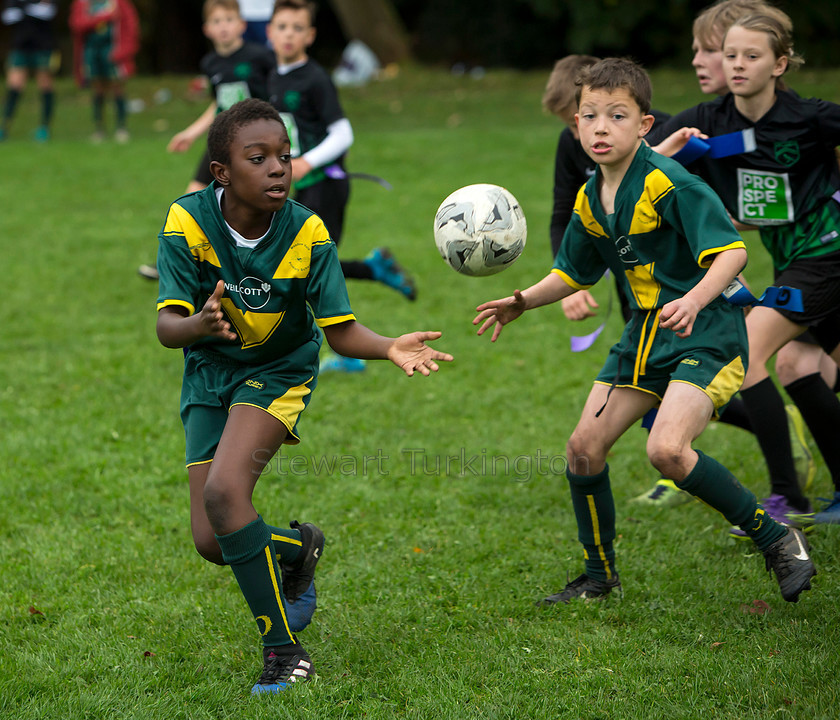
(211, 318)
(411, 353)
(498, 313)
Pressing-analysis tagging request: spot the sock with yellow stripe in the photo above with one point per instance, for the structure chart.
(287, 544)
(592, 500)
(251, 555)
(717, 487)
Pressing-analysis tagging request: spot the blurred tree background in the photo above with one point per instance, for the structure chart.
(491, 33)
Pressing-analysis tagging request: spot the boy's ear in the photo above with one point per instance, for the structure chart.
(220, 172)
(647, 124)
(311, 38)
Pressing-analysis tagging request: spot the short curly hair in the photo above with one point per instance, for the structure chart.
(613, 74)
(222, 130)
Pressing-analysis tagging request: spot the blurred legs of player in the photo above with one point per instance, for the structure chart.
(20, 63)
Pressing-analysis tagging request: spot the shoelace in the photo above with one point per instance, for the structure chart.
(278, 669)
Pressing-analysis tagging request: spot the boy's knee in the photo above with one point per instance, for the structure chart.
(668, 458)
(787, 370)
(219, 497)
(209, 549)
(583, 455)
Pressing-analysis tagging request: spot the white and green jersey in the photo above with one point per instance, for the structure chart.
(276, 295)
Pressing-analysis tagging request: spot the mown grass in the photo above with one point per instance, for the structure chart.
(438, 547)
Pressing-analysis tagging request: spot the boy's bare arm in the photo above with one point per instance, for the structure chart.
(408, 352)
(679, 315)
(182, 141)
(500, 312)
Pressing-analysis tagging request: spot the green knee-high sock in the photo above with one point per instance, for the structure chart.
(98, 106)
(250, 553)
(47, 105)
(12, 98)
(594, 507)
(120, 106)
(716, 486)
(287, 544)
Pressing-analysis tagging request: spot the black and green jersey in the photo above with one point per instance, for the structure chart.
(276, 294)
(785, 185)
(308, 103)
(241, 75)
(667, 226)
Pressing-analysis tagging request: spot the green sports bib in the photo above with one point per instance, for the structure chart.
(764, 198)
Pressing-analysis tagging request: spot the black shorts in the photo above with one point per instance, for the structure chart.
(202, 172)
(327, 199)
(819, 280)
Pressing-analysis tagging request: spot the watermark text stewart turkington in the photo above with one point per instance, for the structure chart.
(420, 462)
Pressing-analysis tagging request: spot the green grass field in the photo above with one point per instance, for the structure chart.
(446, 512)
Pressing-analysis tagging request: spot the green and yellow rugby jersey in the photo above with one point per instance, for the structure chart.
(667, 226)
(276, 295)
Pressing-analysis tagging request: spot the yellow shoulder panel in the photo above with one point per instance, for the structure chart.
(584, 212)
(645, 217)
(180, 222)
(296, 262)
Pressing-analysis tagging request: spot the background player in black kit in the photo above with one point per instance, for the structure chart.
(33, 50)
(237, 70)
(307, 100)
(787, 186)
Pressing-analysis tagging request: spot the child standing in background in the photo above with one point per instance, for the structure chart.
(321, 135)
(33, 50)
(235, 70)
(106, 37)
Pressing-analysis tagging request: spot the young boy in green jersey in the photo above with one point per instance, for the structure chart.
(248, 282)
(666, 234)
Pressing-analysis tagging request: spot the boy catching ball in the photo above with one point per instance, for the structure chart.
(667, 236)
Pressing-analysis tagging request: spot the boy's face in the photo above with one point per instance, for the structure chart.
(708, 64)
(611, 126)
(260, 171)
(749, 62)
(290, 33)
(224, 28)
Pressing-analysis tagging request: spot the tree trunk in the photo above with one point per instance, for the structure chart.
(377, 24)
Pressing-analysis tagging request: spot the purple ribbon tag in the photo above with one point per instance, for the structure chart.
(584, 342)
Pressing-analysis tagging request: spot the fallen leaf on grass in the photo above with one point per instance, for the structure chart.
(759, 607)
(148, 653)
